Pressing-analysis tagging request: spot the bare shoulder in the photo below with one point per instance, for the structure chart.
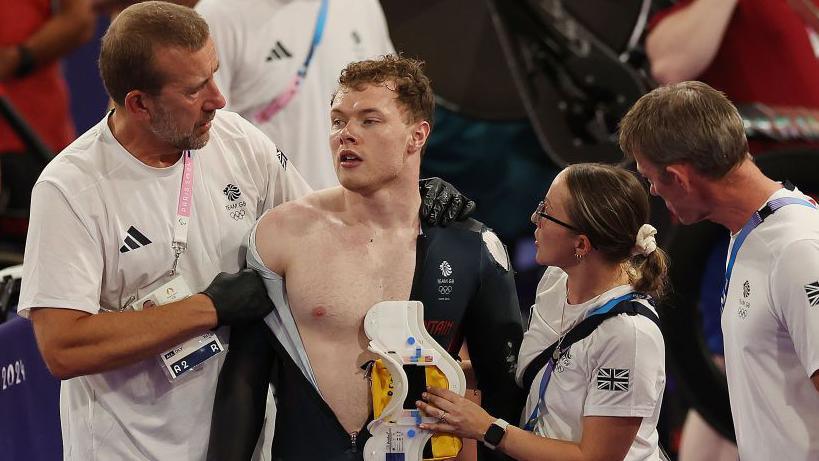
(292, 225)
(299, 216)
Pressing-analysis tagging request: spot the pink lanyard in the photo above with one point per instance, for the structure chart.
(183, 211)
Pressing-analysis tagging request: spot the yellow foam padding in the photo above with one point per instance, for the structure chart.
(381, 387)
(443, 446)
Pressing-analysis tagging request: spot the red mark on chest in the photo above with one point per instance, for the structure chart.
(319, 312)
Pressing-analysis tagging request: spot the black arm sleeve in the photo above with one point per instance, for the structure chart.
(494, 330)
(241, 394)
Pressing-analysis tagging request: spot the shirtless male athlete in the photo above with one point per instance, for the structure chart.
(327, 258)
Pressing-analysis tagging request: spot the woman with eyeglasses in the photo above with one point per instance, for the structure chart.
(593, 357)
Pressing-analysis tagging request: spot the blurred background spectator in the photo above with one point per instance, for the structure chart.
(34, 35)
(279, 63)
(755, 51)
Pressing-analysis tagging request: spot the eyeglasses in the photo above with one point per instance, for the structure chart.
(541, 213)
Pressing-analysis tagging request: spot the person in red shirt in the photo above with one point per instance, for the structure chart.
(755, 51)
(34, 34)
(752, 50)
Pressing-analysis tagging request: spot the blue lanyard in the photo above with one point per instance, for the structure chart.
(550, 365)
(756, 220)
(321, 20)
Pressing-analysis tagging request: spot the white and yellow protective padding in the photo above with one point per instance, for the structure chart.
(397, 334)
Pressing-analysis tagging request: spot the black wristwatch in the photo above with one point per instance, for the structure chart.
(493, 436)
(26, 64)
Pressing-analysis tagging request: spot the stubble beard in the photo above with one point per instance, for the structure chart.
(164, 128)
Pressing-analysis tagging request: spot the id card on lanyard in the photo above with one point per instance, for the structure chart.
(187, 356)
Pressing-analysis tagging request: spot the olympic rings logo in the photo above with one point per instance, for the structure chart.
(238, 214)
(445, 289)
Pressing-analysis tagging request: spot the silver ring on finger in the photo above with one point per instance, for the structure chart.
(442, 418)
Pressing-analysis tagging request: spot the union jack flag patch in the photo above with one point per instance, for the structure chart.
(613, 379)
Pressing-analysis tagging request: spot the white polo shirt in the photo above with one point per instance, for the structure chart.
(771, 328)
(618, 370)
(261, 45)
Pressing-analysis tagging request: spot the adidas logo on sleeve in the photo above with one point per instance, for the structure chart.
(812, 292)
(134, 239)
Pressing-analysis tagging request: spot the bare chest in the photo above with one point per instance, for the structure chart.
(333, 282)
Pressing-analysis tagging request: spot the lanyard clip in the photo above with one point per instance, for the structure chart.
(178, 249)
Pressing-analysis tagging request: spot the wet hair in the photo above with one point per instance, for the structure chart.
(687, 122)
(412, 87)
(127, 52)
(609, 205)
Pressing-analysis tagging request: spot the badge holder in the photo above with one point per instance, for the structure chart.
(190, 355)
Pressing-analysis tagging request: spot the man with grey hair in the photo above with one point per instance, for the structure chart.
(688, 140)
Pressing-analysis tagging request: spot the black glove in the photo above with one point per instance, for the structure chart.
(239, 298)
(441, 203)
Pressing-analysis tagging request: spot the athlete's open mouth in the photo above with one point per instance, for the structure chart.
(348, 158)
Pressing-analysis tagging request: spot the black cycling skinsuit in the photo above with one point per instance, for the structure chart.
(475, 300)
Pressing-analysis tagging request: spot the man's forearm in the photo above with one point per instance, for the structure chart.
(684, 44)
(71, 26)
(75, 343)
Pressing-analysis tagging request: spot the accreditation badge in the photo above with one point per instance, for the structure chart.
(188, 356)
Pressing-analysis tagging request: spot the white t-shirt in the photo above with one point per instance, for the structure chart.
(771, 327)
(618, 370)
(261, 45)
(100, 236)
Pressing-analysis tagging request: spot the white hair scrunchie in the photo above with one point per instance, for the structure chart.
(645, 242)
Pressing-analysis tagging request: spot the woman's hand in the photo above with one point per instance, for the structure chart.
(456, 415)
